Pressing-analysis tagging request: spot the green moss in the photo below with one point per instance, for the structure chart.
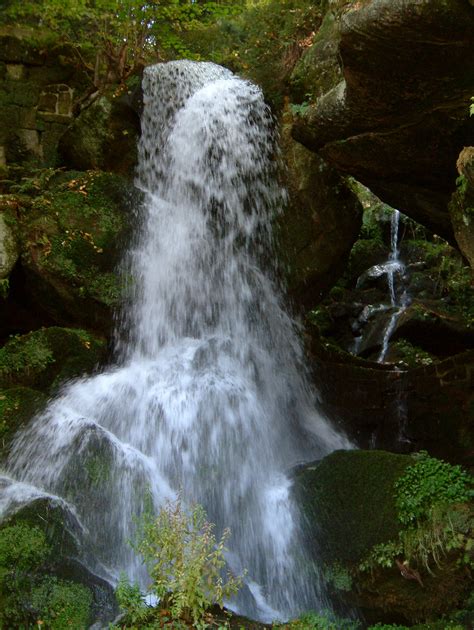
(45, 357)
(17, 406)
(336, 492)
(27, 593)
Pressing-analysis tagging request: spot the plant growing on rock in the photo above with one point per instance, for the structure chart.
(185, 563)
(432, 504)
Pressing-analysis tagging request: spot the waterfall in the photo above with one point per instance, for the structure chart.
(393, 266)
(208, 394)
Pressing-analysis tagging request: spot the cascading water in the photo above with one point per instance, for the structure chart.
(393, 266)
(209, 394)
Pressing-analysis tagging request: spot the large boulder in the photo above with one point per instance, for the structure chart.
(71, 236)
(318, 227)
(105, 134)
(462, 205)
(396, 114)
(369, 555)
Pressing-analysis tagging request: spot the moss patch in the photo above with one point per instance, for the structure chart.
(71, 236)
(336, 493)
(17, 406)
(45, 357)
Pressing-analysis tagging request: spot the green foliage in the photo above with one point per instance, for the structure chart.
(323, 620)
(113, 38)
(338, 576)
(263, 42)
(429, 482)
(471, 106)
(185, 563)
(410, 356)
(62, 605)
(432, 503)
(27, 593)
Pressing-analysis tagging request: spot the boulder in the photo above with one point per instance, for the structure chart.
(104, 136)
(349, 502)
(71, 237)
(396, 114)
(319, 226)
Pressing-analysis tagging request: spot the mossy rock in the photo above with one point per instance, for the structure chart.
(17, 406)
(71, 241)
(44, 358)
(104, 136)
(58, 527)
(349, 501)
(337, 496)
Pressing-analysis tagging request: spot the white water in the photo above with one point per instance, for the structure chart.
(393, 266)
(209, 393)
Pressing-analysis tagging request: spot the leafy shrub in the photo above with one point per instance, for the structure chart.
(324, 620)
(185, 563)
(427, 483)
(431, 500)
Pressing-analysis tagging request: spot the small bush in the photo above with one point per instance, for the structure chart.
(185, 563)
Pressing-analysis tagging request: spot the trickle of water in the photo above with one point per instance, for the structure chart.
(394, 266)
(209, 395)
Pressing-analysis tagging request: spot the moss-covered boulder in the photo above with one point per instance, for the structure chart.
(44, 358)
(17, 406)
(105, 134)
(393, 532)
(43, 564)
(71, 233)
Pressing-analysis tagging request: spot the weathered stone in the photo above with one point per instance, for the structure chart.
(399, 131)
(103, 136)
(8, 248)
(319, 226)
(430, 407)
(15, 71)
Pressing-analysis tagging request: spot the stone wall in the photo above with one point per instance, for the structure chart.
(39, 82)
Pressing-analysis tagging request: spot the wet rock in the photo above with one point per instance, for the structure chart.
(17, 406)
(404, 410)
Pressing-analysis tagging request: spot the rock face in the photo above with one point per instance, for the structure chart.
(392, 107)
(70, 237)
(429, 407)
(104, 136)
(319, 226)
